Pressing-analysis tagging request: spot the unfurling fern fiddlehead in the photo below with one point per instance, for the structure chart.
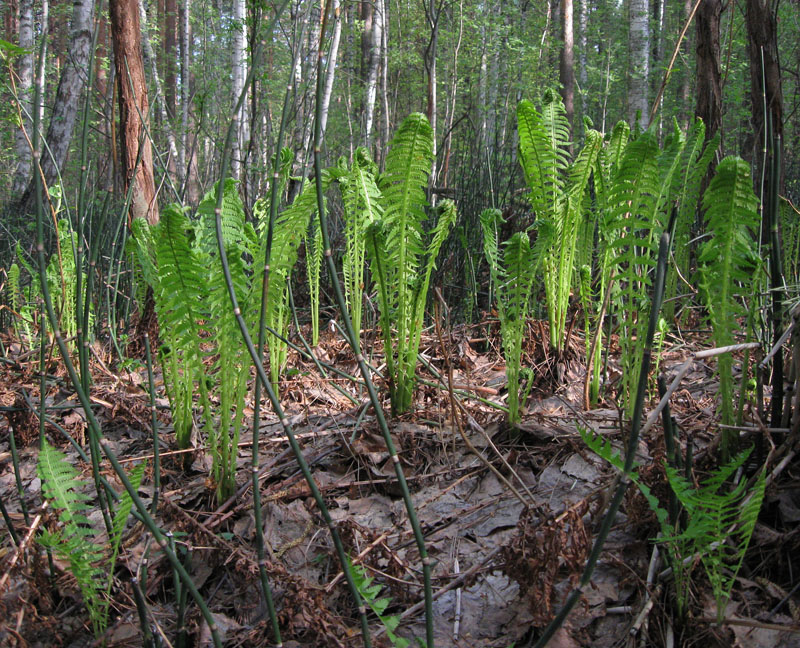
(513, 280)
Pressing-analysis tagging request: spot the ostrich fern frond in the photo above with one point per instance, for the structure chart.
(401, 260)
(61, 484)
(728, 261)
(361, 198)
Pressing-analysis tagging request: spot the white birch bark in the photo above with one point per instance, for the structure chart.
(639, 53)
(376, 40)
(331, 70)
(24, 91)
(68, 97)
(239, 74)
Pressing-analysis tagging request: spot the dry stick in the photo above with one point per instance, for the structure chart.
(23, 545)
(457, 408)
(668, 72)
(684, 369)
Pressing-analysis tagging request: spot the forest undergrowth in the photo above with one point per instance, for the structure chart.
(508, 511)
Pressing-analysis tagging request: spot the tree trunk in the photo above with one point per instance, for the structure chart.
(239, 73)
(159, 96)
(330, 73)
(432, 13)
(137, 155)
(583, 35)
(709, 88)
(24, 91)
(566, 68)
(639, 63)
(765, 79)
(170, 49)
(372, 60)
(11, 20)
(67, 101)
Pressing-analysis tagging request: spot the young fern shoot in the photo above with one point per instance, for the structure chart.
(401, 260)
(513, 280)
(728, 261)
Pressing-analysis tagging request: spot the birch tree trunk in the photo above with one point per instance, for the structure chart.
(373, 61)
(24, 90)
(566, 68)
(583, 36)
(331, 69)
(67, 101)
(239, 74)
(170, 49)
(137, 154)
(432, 13)
(639, 62)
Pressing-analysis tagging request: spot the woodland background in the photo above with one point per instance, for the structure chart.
(136, 102)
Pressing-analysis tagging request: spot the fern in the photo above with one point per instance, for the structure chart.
(370, 593)
(727, 261)
(289, 231)
(695, 158)
(22, 311)
(513, 280)
(720, 523)
(558, 192)
(180, 305)
(73, 542)
(401, 260)
(632, 203)
(361, 198)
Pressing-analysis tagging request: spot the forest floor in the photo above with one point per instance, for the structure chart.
(509, 513)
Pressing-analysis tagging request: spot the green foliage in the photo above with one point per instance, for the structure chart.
(513, 280)
(370, 593)
(180, 259)
(291, 228)
(22, 311)
(558, 192)
(73, 542)
(694, 161)
(720, 520)
(401, 260)
(361, 198)
(728, 260)
(179, 289)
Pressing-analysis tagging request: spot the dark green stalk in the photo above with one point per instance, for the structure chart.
(355, 344)
(156, 450)
(17, 475)
(673, 457)
(317, 495)
(7, 519)
(82, 322)
(93, 425)
(633, 442)
(776, 281)
(141, 608)
(262, 335)
(181, 620)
